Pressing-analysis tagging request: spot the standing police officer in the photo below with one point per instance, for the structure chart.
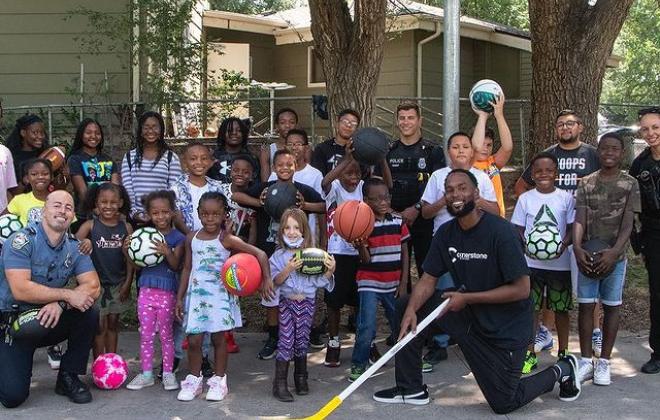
(36, 265)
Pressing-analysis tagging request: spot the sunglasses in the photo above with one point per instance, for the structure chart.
(650, 110)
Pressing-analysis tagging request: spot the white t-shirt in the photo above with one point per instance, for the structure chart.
(7, 175)
(557, 207)
(435, 190)
(195, 194)
(311, 177)
(336, 196)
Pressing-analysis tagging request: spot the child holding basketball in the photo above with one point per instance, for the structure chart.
(157, 297)
(209, 308)
(549, 209)
(104, 236)
(296, 303)
(382, 274)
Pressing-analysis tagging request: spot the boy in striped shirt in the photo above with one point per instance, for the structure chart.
(382, 274)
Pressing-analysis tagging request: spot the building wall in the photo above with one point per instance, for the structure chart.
(40, 57)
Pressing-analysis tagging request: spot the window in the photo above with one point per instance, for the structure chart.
(315, 76)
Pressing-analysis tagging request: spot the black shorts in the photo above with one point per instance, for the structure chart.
(345, 291)
(557, 287)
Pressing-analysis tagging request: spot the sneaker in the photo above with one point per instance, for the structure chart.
(652, 366)
(70, 385)
(175, 368)
(435, 355)
(597, 342)
(141, 381)
(374, 354)
(531, 362)
(391, 340)
(397, 395)
(190, 388)
(356, 372)
(54, 357)
(332, 353)
(269, 349)
(218, 388)
(569, 384)
(315, 340)
(585, 370)
(602, 372)
(232, 347)
(543, 340)
(426, 367)
(169, 382)
(207, 368)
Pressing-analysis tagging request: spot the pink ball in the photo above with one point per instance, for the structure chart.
(109, 371)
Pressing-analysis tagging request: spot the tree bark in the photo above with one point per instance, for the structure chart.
(571, 42)
(350, 49)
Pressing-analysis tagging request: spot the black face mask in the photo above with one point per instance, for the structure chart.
(467, 208)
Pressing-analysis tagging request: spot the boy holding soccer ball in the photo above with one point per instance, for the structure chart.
(544, 217)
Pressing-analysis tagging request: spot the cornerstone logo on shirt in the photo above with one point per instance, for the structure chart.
(465, 256)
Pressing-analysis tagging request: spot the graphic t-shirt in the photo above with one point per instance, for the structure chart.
(221, 169)
(535, 209)
(493, 171)
(573, 166)
(27, 207)
(483, 258)
(93, 169)
(435, 190)
(107, 254)
(327, 155)
(336, 196)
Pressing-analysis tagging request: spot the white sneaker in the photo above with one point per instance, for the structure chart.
(190, 388)
(218, 388)
(141, 381)
(597, 341)
(585, 370)
(543, 340)
(169, 382)
(602, 372)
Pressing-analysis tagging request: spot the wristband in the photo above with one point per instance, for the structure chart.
(63, 305)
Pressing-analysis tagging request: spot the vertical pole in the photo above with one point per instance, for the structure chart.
(82, 89)
(313, 121)
(272, 111)
(451, 69)
(50, 123)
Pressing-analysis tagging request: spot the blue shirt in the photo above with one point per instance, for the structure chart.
(161, 276)
(51, 265)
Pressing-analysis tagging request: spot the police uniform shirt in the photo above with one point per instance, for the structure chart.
(411, 167)
(647, 171)
(51, 266)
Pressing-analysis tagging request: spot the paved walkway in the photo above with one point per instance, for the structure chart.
(454, 392)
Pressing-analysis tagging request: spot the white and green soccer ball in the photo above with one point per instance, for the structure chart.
(9, 224)
(544, 242)
(141, 249)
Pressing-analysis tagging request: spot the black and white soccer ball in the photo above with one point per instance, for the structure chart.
(9, 224)
(544, 242)
(141, 250)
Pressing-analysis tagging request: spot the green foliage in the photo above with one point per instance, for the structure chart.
(252, 7)
(507, 12)
(637, 80)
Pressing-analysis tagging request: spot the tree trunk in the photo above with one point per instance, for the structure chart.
(350, 49)
(571, 42)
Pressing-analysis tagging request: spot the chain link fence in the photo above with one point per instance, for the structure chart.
(200, 120)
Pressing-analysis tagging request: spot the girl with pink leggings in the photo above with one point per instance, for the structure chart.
(157, 298)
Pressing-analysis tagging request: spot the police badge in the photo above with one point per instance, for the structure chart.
(421, 164)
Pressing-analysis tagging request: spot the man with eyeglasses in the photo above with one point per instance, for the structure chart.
(35, 267)
(326, 155)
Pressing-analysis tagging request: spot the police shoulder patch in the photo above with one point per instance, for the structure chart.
(19, 241)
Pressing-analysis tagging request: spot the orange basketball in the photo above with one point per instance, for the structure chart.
(56, 157)
(353, 220)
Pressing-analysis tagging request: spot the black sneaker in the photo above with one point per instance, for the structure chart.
(70, 385)
(374, 354)
(54, 356)
(397, 395)
(332, 353)
(175, 367)
(207, 369)
(391, 340)
(569, 384)
(435, 355)
(315, 340)
(269, 349)
(652, 366)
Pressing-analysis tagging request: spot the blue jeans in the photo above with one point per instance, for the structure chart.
(366, 323)
(608, 290)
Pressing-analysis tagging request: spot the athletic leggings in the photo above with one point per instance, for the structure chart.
(156, 313)
(295, 325)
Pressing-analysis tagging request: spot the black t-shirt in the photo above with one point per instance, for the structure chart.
(93, 169)
(647, 171)
(326, 155)
(266, 226)
(221, 169)
(482, 258)
(20, 157)
(573, 166)
(411, 167)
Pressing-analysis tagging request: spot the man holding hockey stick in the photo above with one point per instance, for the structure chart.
(491, 321)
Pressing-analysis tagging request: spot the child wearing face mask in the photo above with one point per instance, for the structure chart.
(296, 304)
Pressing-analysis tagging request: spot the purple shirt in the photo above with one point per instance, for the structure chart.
(297, 284)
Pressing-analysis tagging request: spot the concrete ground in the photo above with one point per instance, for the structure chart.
(454, 392)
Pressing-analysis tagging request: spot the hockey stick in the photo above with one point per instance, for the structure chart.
(337, 400)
